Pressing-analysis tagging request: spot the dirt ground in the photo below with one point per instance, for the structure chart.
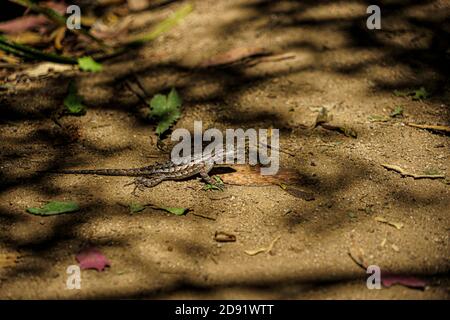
(333, 61)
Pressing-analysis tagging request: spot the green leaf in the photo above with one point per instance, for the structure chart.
(399, 93)
(167, 121)
(136, 207)
(174, 100)
(398, 111)
(158, 105)
(176, 211)
(166, 110)
(73, 102)
(55, 207)
(420, 94)
(89, 64)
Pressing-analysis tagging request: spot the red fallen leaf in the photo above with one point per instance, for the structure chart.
(21, 24)
(92, 258)
(389, 280)
(28, 22)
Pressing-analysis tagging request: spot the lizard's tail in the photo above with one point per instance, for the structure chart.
(103, 172)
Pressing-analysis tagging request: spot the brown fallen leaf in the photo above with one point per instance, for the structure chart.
(287, 179)
(58, 36)
(221, 236)
(232, 56)
(27, 37)
(261, 250)
(397, 225)
(10, 59)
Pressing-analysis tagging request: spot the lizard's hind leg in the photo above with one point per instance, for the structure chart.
(143, 182)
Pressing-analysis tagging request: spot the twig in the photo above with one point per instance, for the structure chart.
(261, 250)
(413, 175)
(203, 216)
(430, 127)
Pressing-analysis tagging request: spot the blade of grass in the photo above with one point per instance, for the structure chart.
(28, 52)
(163, 26)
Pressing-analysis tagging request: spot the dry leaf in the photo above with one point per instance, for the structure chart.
(261, 250)
(58, 36)
(397, 225)
(250, 176)
(221, 236)
(27, 37)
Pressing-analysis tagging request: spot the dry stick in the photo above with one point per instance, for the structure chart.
(413, 175)
(430, 127)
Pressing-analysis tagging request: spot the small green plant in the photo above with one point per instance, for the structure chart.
(215, 186)
(74, 102)
(89, 64)
(166, 110)
(398, 112)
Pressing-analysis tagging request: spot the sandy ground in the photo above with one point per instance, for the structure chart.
(335, 62)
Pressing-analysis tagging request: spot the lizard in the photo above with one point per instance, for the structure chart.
(150, 176)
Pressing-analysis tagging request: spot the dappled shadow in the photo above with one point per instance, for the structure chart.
(423, 58)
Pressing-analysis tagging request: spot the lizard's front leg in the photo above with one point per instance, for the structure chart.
(205, 176)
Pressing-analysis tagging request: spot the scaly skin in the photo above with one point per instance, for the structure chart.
(150, 176)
